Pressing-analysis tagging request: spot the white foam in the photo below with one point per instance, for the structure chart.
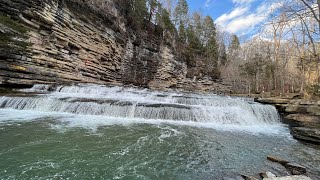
(93, 122)
(91, 106)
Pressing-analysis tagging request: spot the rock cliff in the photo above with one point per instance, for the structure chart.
(59, 41)
(302, 116)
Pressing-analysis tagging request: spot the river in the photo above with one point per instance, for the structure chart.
(94, 131)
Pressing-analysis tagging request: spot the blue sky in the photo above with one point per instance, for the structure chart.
(241, 17)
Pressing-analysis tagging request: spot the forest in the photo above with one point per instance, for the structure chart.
(283, 57)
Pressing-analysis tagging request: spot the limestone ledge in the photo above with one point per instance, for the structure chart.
(66, 45)
(302, 116)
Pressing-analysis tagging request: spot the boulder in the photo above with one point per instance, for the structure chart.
(307, 134)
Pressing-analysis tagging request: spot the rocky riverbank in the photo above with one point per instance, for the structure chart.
(302, 116)
(282, 170)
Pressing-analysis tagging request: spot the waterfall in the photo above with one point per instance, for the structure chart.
(90, 99)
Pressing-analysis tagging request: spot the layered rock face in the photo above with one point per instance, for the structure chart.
(302, 116)
(63, 42)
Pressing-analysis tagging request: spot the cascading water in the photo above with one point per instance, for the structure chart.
(94, 131)
(144, 104)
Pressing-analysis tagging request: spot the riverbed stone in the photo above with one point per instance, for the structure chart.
(267, 174)
(296, 169)
(306, 134)
(246, 177)
(277, 160)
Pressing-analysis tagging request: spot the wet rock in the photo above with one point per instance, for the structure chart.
(307, 134)
(289, 178)
(245, 177)
(303, 118)
(178, 106)
(273, 101)
(267, 174)
(277, 160)
(296, 169)
(277, 169)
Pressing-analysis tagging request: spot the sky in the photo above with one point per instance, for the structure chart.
(241, 17)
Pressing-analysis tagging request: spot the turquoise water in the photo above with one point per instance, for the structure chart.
(98, 132)
(50, 148)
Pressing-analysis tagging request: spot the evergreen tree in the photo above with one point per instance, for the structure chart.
(211, 47)
(138, 13)
(181, 13)
(209, 30)
(194, 43)
(182, 34)
(223, 55)
(235, 43)
(165, 21)
(197, 24)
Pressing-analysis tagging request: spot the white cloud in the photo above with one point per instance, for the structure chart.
(239, 11)
(242, 1)
(207, 4)
(242, 20)
(243, 23)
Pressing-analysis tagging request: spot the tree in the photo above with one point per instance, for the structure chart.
(138, 13)
(235, 43)
(315, 11)
(165, 21)
(209, 29)
(181, 13)
(153, 7)
(222, 54)
(209, 36)
(182, 34)
(194, 47)
(197, 24)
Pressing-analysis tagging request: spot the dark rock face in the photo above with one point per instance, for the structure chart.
(303, 119)
(306, 134)
(62, 42)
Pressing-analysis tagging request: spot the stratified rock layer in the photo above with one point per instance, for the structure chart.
(66, 42)
(303, 117)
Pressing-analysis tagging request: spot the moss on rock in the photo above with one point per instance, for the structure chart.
(12, 24)
(12, 35)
